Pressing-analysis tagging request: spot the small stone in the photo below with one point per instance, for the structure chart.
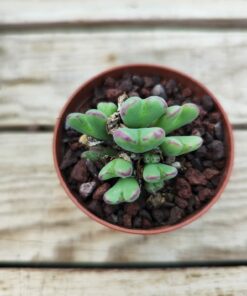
(196, 163)
(137, 80)
(204, 194)
(207, 163)
(92, 168)
(216, 149)
(159, 90)
(146, 223)
(220, 164)
(108, 209)
(148, 82)
(214, 117)
(170, 86)
(207, 103)
(181, 202)
(202, 151)
(112, 219)
(176, 214)
(79, 172)
(187, 92)
(183, 188)
(159, 215)
(145, 214)
(95, 207)
(177, 165)
(100, 191)
(195, 177)
(208, 138)
(69, 159)
(170, 159)
(98, 93)
(87, 188)
(110, 82)
(132, 209)
(126, 85)
(113, 93)
(133, 94)
(218, 130)
(137, 222)
(145, 92)
(127, 221)
(155, 201)
(215, 181)
(209, 173)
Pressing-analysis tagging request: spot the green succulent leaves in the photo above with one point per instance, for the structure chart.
(178, 116)
(139, 140)
(116, 168)
(108, 108)
(92, 123)
(156, 172)
(136, 112)
(153, 187)
(146, 123)
(124, 190)
(178, 145)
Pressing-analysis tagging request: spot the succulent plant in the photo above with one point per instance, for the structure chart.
(133, 143)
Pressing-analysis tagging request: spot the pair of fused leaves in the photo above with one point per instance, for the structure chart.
(93, 122)
(125, 189)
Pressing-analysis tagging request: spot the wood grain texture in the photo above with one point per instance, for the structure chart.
(39, 223)
(15, 11)
(39, 71)
(158, 282)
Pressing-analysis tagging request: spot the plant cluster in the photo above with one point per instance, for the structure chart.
(134, 138)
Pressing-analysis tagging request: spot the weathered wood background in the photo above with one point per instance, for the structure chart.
(47, 48)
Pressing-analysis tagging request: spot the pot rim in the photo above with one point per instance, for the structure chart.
(161, 229)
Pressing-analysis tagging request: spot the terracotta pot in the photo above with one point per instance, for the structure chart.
(79, 99)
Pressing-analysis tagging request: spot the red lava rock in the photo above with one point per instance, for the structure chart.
(217, 149)
(75, 146)
(113, 93)
(87, 188)
(209, 173)
(126, 85)
(92, 168)
(204, 194)
(148, 82)
(170, 85)
(145, 92)
(110, 82)
(196, 163)
(219, 164)
(202, 151)
(207, 163)
(137, 80)
(69, 159)
(186, 92)
(214, 117)
(181, 202)
(197, 202)
(108, 209)
(95, 207)
(127, 221)
(146, 223)
(175, 215)
(145, 214)
(79, 172)
(215, 180)
(195, 177)
(137, 222)
(160, 215)
(207, 103)
(100, 191)
(132, 209)
(183, 188)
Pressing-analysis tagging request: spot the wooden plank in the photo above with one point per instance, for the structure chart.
(15, 11)
(158, 282)
(39, 223)
(39, 71)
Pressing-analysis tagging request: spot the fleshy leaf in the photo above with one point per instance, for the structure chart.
(136, 112)
(92, 123)
(139, 140)
(154, 187)
(108, 108)
(98, 152)
(178, 145)
(157, 172)
(116, 168)
(178, 116)
(124, 190)
(150, 157)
